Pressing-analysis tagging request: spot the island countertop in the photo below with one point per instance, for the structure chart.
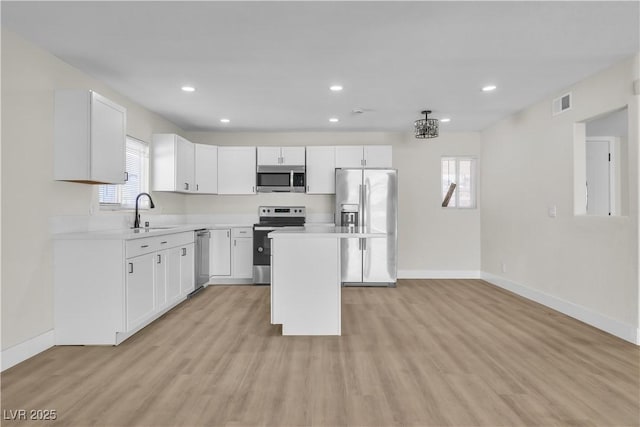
(323, 231)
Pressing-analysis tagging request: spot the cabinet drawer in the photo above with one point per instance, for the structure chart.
(138, 247)
(173, 240)
(242, 232)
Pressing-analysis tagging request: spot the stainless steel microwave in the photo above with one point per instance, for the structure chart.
(280, 179)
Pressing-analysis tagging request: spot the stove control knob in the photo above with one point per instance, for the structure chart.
(260, 249)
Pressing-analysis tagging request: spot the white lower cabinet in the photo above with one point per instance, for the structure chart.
(139, 289)
(187, 269)
(242, 258)
(173, 270)
(105, 290)
(220, 252)
(160, 279)
(231, 255)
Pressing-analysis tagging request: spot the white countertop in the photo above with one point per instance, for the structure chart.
(130, 234)
(328, 231)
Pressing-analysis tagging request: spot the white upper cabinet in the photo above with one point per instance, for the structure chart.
(276, 156)
(349, 156)
(321, 164)
(367, 156)
(206, 169)
(377, 156)
(236, 170)
(268, 156)
(173, 163)
(89, 138)
(293, 156)
(184, 167)
(185, 173)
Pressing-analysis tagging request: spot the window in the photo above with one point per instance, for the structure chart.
(460, 171)
(123, 196)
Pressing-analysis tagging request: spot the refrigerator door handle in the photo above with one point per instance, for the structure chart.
(364, 244)
(364, 208)
(360, 207)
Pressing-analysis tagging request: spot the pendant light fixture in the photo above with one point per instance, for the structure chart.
(426, 128)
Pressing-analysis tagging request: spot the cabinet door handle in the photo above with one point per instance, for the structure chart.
(126, 176)
(144, 246)
(197, 187)
(253, 189)
(186, 185)
(163, 243)
(227, 234)
(159, 259)
(184, 251)
(307, 188)
(234, 242)
(130, 268)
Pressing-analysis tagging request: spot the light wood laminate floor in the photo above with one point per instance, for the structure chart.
(428, 353)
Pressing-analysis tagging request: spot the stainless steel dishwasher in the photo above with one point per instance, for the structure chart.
(202, 259)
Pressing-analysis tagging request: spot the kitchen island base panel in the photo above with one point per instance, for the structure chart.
(306, 290)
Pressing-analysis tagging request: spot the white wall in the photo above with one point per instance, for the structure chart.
(432, 241)
(580, 264)
(30, 196)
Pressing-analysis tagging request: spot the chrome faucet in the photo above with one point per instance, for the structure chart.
(136, 221)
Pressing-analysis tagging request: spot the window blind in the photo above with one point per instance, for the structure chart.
(137, 168)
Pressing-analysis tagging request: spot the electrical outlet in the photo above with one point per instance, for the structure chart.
(552, 211)
(503, 267)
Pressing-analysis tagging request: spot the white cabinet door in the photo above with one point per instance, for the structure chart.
(184, 165)
(89, 138)
(206, 169)
(108, 135)
(173, 280)
(321, 175)
(349, 156)
(160, 279)
(173, 164)
(187, 269)
(220, 253)
(377, 156)
(140, 301)
(242, 258)
(269, 156)
(236, 170)
(292, 156)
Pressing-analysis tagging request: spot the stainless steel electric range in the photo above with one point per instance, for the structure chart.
(271, 218)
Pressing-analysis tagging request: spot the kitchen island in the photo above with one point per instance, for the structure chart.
(306, 278)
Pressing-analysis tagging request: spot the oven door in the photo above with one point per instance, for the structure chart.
(262, 254)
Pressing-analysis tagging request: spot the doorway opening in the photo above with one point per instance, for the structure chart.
(600, 165)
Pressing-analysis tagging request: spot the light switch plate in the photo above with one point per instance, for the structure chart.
(552, 211)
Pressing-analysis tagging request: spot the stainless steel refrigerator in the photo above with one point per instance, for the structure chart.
(368, 198)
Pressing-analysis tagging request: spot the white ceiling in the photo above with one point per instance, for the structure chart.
(268, 65)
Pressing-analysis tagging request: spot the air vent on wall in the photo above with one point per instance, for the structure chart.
(561, 104)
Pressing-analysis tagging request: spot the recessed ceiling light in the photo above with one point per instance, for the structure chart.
(336, 88)
(334, 120)
(445, 120)
(224, 120)
(489, 88)
(188, 88)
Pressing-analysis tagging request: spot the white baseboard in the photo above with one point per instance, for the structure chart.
(23, 351)
(439, 274)
(620, 329)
